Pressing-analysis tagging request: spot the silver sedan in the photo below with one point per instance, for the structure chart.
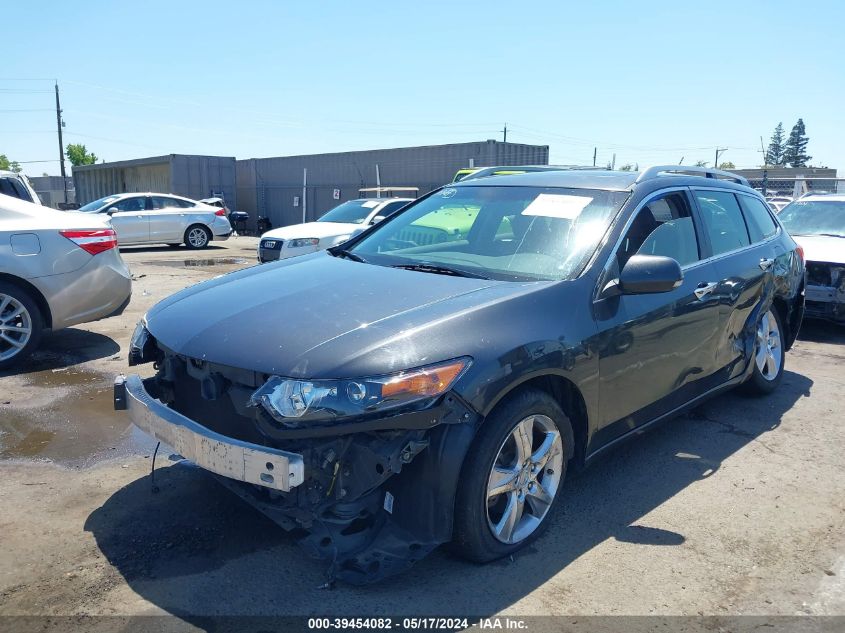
(157, 218)
(57, 269)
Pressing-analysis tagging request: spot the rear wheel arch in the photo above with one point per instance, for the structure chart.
(33, 292)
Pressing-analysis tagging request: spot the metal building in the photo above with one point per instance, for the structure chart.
(194, 177)
(51, 190)
(293, 189)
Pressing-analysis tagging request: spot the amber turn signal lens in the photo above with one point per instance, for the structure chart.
(429, 381)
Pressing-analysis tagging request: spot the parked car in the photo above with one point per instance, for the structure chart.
(381, 399)
(818, 224)
(57, 269)
(157, 218)
(217, 203)
(779, 202)
(335, 226)
(17, 186)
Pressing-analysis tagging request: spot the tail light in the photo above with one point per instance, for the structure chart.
(800, 250)
(220, 212)
(92, 242)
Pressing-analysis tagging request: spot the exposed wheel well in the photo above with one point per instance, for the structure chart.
(572, 402)
(783, 311)
(34, 293)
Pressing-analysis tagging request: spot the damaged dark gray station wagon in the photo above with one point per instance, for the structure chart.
(435, 378)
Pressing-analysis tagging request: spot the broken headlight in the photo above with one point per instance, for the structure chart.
(292, 401)
(142, 346)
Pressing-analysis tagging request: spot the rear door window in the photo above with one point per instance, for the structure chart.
(760, 223)
(723, 220)
(164, 202)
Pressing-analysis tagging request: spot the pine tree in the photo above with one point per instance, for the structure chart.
(795, 151)
(774, 155)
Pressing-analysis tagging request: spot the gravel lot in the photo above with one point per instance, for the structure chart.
(736, 508)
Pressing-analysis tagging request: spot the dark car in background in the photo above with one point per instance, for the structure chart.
(384, 396)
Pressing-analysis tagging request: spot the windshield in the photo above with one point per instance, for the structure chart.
(92, 207)
(353, 212)
(509, 233)
(814, 218)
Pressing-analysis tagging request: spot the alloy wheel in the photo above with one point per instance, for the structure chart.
(524, 479)
(769, 353)
(15, 326)
(197, 237)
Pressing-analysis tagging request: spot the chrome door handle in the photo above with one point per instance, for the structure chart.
(766, 263)
(705, 289)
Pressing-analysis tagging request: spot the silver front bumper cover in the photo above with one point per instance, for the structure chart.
(242, 461)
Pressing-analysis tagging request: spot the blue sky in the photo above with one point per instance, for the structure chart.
(653, 82)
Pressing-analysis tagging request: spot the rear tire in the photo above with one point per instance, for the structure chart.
(197, 236)
(511, 477)
(21, 325)
(769, 356)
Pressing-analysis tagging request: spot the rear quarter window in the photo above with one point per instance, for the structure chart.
(760, 223)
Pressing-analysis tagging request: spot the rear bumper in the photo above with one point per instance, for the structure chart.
(222, 237)
(99, 289)
(226, 456)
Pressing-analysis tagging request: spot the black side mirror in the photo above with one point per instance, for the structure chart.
(644, 274)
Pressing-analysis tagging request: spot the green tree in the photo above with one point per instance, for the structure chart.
(627, 167)
(727, 165)
(78, 154)
(15, 166)
(4, 162)
(701, 163)
(774, 155)
(795, 152)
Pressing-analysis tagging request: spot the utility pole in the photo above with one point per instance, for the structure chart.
(719, 150)
(505, 132)
(61, 143)
(763, 151)
(595, 149)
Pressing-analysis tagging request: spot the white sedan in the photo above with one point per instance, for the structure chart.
(336, 226)
(156, 218)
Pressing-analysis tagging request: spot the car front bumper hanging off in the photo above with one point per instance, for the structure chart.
(226, 456)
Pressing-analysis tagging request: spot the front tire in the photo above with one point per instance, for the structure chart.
(769, 356)
(197, 236)
(21, 324)
(512, 476)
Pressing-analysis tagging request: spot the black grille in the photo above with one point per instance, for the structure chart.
(818, 274)
(271, 244)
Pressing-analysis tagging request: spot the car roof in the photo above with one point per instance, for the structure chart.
(576, 179)
(608, 180)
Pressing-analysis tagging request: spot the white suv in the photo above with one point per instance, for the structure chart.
(17, 186)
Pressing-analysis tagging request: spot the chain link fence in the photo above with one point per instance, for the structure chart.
(796, 187)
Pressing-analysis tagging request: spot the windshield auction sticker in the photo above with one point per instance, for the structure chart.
(557, 206)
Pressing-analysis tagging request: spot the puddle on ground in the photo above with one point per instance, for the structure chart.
(76, 427)
(200, 263)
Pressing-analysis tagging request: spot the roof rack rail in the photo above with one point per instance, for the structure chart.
(705, 172)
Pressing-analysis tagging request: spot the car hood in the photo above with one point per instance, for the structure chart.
(319, 316)
(314, 229)
(821, 248)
